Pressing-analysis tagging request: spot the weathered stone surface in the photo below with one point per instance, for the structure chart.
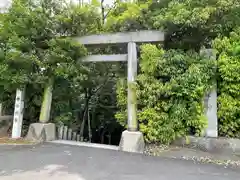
(122, 37)
(132, 96)
(42, 132)
(18, 113)
(132, 142)
(60, 132)
(78, 137)
(74, 136)
(5, 125)
(218, 145)
(211, 113)
(210, 102)
(65, 132)
(69, 137)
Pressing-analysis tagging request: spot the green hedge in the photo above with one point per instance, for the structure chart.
(229, 84)
(170, 89)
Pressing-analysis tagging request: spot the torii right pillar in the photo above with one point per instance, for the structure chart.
(132, 140)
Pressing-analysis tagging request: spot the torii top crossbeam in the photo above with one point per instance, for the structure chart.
(122, 37)
(118, 38)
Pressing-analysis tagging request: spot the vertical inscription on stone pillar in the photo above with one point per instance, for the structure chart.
(18, 114)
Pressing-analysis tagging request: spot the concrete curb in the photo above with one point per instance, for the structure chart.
(85, 144)
(215, 145)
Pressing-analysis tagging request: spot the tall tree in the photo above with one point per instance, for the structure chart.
(35, 47)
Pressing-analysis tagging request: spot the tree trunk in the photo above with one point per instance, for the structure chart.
(109, 138)
(47, 101)
(89, 127)
(87, 98)
(102, 136)
(83, 124)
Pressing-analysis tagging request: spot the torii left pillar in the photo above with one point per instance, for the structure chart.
(132, 139)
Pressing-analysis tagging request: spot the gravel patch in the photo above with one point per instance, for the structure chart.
(177, 152)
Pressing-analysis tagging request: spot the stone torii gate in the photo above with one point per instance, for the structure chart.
(132, 140)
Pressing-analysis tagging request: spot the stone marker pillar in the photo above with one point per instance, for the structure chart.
(210, 103)
(18, 114)
(132, 140)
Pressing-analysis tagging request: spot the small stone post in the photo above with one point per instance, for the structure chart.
(69, 134)
(60, 132)
(65, 132)
(18, 114)
(210, 102)
(74, 138)
(78, 137)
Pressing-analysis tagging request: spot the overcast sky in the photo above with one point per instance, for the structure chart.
(4, 3)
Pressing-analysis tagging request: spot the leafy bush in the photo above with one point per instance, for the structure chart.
(229, 84)
(170, 91)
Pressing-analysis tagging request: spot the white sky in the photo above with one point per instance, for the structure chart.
(110, 2)
(6, 3)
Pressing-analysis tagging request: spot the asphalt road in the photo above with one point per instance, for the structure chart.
(63, 162)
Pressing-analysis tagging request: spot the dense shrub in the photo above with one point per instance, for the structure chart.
(170, 89)
(229, 84)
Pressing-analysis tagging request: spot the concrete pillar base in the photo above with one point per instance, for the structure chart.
(132, 142)
(42, 132)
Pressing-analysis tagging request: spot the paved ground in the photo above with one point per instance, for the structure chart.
(64, 162)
